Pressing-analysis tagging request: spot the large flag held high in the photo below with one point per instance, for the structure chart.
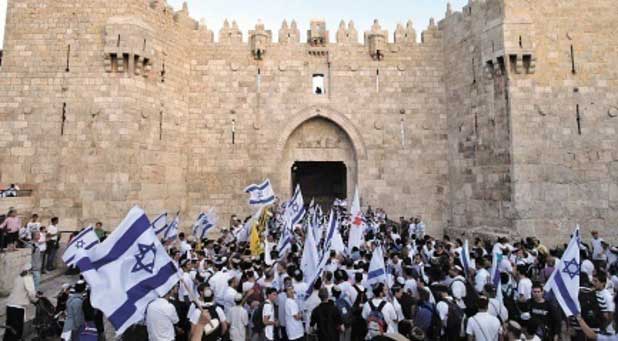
(85, 240)
(205, 221)
(310, 259)
(261, 195)
(127, 271)
(377, 270)
(564, 281)
(357, 226)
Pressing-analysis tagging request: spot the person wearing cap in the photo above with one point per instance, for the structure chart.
(483, 326)
(161, 316)
(207, 304)
(238, 319)
(458, 285)
(74, 313)
(293, 316)
(22, 295)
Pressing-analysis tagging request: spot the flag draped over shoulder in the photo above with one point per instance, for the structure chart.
(357, 226)
(564, 281)
(127, 271)
(261, 195)
(85, 240)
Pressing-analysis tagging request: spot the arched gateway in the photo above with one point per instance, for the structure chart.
(320, 150)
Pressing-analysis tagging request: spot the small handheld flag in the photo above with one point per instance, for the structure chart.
(261, 195)
(85, 240)
(564, 281)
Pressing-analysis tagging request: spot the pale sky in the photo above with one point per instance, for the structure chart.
(272, 12)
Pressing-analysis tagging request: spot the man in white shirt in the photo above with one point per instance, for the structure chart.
(214, 310)
(185, 291)
(293, 317)
(524, 285)
(268, 314)
(52, 243)
(161, 317)
(483, 326)
(388, 310)
(482, 276)
(458, 285)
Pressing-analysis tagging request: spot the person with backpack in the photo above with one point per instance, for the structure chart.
(451, 315)
(359, 298)
(345, 310)
(483, 326)
(380, 314)
(326, 318)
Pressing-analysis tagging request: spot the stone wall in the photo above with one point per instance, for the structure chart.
(105, 104)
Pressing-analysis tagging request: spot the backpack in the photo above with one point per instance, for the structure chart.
(454, 319)
(376, 323)
(257, 320)
(360, 299)
(591, 311)
(471, 300)
(428, 320)
(344, 308)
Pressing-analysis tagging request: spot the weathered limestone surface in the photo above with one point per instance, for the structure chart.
(11, 265)
(108, 103)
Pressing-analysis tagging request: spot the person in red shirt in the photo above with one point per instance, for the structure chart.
(10, 228)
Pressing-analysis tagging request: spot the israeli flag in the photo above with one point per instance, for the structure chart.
(85, 240)
(127, 271)
(377, 270)
(171, 232)
(295, 209)
(332, 230)
(564, 281)
(495, 268)
(261, 195)
(285, 242)
(310, 259)
(204, 222)
(160, 224)
(464, 258)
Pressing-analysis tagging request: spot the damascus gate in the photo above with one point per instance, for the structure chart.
(499, 119)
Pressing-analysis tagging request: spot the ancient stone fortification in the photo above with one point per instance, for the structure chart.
(502, 119)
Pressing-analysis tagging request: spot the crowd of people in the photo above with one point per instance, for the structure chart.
(227, 292)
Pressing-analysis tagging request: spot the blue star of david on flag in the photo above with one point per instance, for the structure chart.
(80, 244)
(142, 259)
(571, 268)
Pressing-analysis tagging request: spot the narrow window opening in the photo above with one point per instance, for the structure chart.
(493, 47)
(63, 118)
(289, 35)
(68, 67)
(144, 45)
(160, 125)
(473, 71)
(377, 80)
(318, 84)
(163, 73)
(233, 131)
(521, 44)
(573, 71)
(118, 41)
(578, 119)
(258, 79)
(476, 124)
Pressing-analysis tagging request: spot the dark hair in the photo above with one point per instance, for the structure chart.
(536, 285)
(483, 302)
(54, 220)
(378, 290)
(270, 291)
(601, 276)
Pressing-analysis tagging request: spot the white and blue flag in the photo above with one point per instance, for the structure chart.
(85, 240)
(464, 258)
(159, 224)
(171, 232)
(332, 229)
(564, 281)
(127, 271)
(295, 209)
(377, 270)
(205, 221)
(261, 195)
(310, 259)
(495, 268)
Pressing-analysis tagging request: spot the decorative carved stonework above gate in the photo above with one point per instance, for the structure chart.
(128, 46)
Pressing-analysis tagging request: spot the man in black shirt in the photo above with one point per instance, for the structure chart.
(543, 314)
(326, 318)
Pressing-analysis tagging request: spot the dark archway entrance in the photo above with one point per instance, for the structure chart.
(321, 181)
